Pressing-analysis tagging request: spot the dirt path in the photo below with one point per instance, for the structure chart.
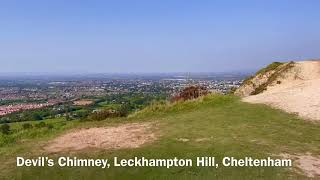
(124, 136)
(308, 164)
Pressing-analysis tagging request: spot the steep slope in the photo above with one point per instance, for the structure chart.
(263, 78)
(295, 90)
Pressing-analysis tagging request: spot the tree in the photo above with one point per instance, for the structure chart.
(5, 129)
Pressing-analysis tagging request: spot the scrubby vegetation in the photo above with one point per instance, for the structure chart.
(26, 126)
(189, 93)
(5, 129)
(247, 80)
(270, 67)
(122, 111)
(273, 77)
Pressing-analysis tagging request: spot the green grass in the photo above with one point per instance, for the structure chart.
(18, 125)
(270, 67)
(106, 106)
(232, 127)
(20, 139)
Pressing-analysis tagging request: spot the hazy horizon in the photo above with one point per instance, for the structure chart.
(155, 36)
(118, 73)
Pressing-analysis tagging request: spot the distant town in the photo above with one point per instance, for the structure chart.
(36, 92)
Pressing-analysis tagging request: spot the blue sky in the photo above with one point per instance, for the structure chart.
(155, 35)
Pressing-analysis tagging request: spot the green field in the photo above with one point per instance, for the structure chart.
(230, 128)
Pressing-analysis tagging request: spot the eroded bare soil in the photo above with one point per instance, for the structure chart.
(298, 92)
(306, 163)
(131, 135)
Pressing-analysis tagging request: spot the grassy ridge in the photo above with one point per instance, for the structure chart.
(270, 67)
(274, 76)
(230, 128)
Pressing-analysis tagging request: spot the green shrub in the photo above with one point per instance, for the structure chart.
(232, 90)
(41, 125)
(63, 123)
(27, 126)
(50, 126)
(5, 129)
(123, 111)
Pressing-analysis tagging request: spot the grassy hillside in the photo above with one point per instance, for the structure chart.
(215, 125)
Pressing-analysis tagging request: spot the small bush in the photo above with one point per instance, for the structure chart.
(232, 90)
(41, 125)
(50, 126)
(27, 126)
(191, 92)
(123, 111)
(63, 123)
(5, 129)
(110, 113)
